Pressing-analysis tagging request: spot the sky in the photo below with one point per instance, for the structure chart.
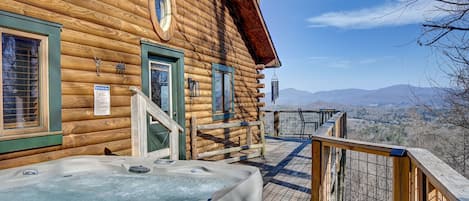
(340, 44)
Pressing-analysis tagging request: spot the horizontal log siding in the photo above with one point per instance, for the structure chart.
(112, 30)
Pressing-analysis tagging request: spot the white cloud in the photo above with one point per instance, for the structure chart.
(392, 13)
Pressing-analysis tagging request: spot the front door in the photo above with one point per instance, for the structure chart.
(162, 92)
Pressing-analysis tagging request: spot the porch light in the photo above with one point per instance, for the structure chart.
(194, 90)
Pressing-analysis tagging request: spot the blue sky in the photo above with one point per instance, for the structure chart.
(337, 44)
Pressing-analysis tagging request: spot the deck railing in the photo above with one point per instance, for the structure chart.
(141, 107)
(344, 169)
(295, 122)
(195, 128)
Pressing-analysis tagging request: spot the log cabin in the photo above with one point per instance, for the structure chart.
(67, 67)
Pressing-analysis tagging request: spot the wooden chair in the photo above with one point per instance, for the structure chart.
(303, 123)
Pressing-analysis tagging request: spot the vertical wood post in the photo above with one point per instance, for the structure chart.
(194, 138)
(249, 136)
(262, 133)
(430, 191)
(401, 171)
(174, 142)
(420, 185)
(316, 174)
(276, 123)
(138, 126)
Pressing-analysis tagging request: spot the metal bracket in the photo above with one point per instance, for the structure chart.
(97, 61)
(398, 152)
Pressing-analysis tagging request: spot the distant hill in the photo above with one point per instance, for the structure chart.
(396, 95)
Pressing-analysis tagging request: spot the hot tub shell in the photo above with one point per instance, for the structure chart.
(248, 185)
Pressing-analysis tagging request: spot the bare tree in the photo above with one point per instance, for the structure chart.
(449, 34)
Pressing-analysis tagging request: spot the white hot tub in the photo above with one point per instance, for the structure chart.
(99, 178)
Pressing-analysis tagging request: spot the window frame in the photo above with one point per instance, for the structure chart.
(170, 80)
(53, 134)
(217, 115)
(43, 85)
(164, 32)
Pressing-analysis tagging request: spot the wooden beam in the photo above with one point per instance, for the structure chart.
(228, 150)
(248, 136)
(194, 138)
(316, 175)
(239, 158)
(262, 119)
(276, 123)
(227, 125)
(401, 171)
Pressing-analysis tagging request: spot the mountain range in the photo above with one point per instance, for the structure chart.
(396, 95)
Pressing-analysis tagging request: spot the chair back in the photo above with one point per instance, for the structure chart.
(300, 112)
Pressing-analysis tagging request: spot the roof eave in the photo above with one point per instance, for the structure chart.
(257, 33)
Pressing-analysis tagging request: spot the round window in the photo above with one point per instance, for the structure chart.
(162, 16)
(163, 13)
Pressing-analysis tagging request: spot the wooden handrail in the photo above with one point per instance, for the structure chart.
(356, 145)
(303, 110)
(444, 178)
(417, 173)
(141, 106)
(156, 112)
(228, 125)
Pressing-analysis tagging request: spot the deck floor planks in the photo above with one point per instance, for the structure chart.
(286, 169)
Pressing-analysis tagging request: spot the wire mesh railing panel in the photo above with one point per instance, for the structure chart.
(291, 124)
(367, 177)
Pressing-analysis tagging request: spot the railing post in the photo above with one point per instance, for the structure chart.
(401, 171)
(263, 133)
(249, 136)
(194, 138)
(316, 169)
(276, 123)
(174, 142)
(138, 126)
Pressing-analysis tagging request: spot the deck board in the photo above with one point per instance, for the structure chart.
(286, 169)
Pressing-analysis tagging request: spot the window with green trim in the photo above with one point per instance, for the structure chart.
(222, 91)
(30, 83)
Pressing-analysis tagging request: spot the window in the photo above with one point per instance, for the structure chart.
(163, 13)
(222, 92)
(31, 101)
(162, 16)
(23, 77)
(160, 85)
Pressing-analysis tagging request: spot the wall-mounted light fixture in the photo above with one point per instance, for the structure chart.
(194, 90)
(120, 69)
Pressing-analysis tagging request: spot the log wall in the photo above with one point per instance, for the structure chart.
(111, 30)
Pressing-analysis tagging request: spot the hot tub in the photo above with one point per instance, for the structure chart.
(96, 178)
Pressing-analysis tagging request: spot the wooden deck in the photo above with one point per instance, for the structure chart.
(286, 169)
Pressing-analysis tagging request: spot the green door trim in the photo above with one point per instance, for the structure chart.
(149, 49)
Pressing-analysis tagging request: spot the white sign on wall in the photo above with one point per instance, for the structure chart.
(102, 100)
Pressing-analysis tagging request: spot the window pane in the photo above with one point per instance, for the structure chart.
(160, 86)
(218, 89)
(227, 92)
(20, 81)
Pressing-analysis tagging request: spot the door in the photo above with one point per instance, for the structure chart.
(162, 92)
